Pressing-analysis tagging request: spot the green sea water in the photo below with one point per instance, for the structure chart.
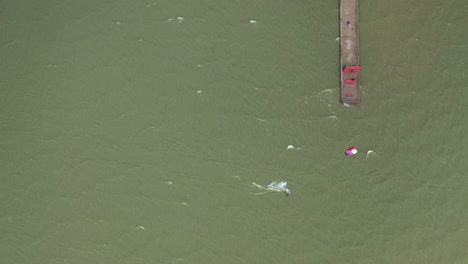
(132, 132)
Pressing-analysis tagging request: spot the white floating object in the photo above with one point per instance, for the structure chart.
(199, 92)
(253, 21)
(168, 183)
(369, 152)
(180, 19)
(290, 147)
(141, 227)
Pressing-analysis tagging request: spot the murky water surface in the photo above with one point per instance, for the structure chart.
(133, 131)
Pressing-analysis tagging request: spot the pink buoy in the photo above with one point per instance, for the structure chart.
(351, 151)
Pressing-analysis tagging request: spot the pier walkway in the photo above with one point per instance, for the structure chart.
(349, 31)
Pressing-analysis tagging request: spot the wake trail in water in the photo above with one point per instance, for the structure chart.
(274, 187)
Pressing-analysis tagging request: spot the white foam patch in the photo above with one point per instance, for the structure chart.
(326, 96)
(274, 186)
(370, 152)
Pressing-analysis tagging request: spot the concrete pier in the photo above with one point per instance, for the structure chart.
(349, 31)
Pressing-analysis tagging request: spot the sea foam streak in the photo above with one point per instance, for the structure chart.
(274, 186)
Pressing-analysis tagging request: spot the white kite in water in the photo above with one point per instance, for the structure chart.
(274, 186)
